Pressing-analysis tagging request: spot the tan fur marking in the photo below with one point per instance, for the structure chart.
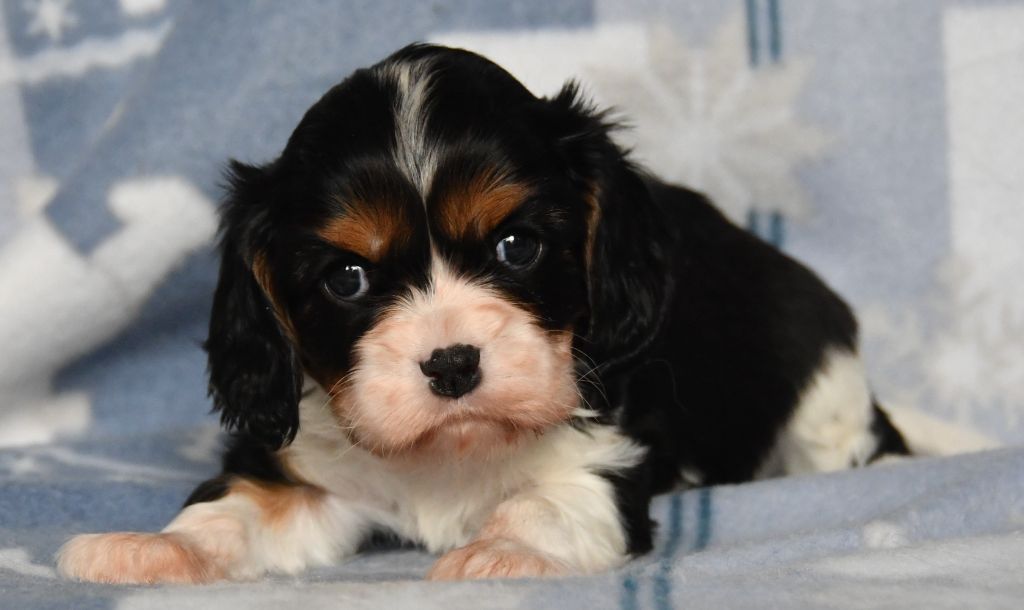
(367, 230)
(261, 271)
(481, 205)
(134, 558)
(278, 503)
(495, 558)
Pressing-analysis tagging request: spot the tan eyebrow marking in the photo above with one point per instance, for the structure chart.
(480, 205)
(367, 230)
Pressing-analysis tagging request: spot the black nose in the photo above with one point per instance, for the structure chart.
(453, 371)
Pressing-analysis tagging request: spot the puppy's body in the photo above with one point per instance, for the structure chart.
(505, 337)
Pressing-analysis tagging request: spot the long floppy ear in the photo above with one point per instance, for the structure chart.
(630, 237)
(254, 375)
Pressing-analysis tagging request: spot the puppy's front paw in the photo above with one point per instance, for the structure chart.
(495, 558)
(130, 558)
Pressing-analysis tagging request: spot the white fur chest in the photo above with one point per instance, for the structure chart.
(443, 505)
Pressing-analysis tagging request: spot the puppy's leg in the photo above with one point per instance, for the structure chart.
(255, 527)
(836, 424)
(568, 527)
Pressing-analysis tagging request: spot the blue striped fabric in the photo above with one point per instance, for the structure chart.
(879, 142)
(764, 42)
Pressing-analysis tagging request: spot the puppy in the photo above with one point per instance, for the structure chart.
(457, 313)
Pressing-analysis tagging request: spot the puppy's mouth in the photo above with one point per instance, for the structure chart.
(462, 429)
(464, 435)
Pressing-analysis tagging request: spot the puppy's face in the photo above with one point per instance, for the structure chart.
(441, 251)
(426, 258)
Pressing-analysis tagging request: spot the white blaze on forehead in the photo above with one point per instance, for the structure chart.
(414, 155)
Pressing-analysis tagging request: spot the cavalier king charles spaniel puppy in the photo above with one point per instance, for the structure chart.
(457, 313)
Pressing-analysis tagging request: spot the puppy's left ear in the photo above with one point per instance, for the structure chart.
(254, 375)
(629, 237)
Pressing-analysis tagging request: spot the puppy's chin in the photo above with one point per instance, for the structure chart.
(469, 438)
(453, 432)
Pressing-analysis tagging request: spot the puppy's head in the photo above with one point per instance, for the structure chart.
(441, 251)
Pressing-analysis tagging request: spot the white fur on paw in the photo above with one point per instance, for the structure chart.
(495, 558)
(132, 558)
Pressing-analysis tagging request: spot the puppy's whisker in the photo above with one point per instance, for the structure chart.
(596, 385)
(338, 385)
(583, 356)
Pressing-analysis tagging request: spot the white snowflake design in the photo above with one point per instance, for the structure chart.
(961, 356)
(50, 17)
(978, 362)
(709, 120)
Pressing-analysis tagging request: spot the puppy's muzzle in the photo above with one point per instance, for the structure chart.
(453, 371)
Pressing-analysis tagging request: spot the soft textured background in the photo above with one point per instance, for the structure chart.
(879, 141)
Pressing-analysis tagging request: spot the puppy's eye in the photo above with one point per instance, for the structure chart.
(347, 283)
(518, 250)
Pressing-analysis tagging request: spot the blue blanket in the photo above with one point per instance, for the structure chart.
(878, 141)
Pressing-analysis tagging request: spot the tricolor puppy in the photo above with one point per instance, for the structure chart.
(457, 313)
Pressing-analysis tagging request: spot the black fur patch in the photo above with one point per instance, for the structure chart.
(632, 498)
(890, 441)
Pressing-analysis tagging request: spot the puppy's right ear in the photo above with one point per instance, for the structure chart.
(255, 379)
(629, 236)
